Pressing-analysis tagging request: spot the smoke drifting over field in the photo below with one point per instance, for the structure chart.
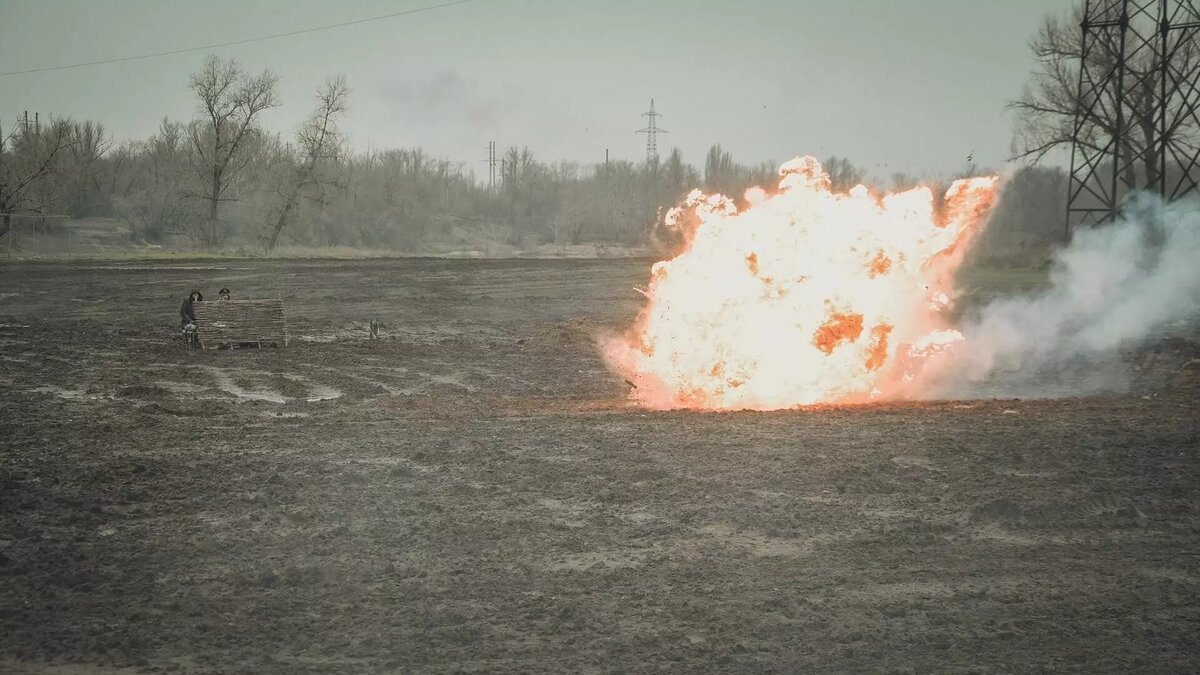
(1112, 289)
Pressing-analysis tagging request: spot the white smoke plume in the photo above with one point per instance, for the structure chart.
(1113, 289)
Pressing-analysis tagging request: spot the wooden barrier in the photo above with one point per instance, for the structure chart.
(240, 323)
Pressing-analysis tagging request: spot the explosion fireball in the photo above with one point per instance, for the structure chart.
(803, 296)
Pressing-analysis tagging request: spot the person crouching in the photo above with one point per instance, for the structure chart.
(187, 318)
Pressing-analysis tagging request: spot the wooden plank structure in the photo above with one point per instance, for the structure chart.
(240, 323)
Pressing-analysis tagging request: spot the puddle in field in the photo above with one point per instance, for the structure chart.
(226, 383)
(71, 394)
(393, 391)
(180, 387)
(189, 391)
(316, 391)
(449, 380)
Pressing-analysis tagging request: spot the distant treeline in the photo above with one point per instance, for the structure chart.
(222, 181)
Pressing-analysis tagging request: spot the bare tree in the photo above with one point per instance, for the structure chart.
(28, 160)
(154, 202)
(1051, 101)
(83, 188)
(843, 175)
(230, 101)
(320, 145)
(902, 180)
(718, 170)
(520, 173)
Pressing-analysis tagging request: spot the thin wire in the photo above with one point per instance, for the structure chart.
(239, 42)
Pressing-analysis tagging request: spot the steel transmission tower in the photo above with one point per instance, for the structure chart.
(1137, 114)
(652, 131)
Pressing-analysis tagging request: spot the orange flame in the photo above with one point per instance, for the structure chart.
(804, 296)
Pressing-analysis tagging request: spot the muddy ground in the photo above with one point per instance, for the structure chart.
(472, 493)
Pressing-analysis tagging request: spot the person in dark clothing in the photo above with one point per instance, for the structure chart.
(186, 313)
(223, 294)
(187, 317)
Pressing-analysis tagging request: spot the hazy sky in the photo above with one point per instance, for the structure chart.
(911, 85)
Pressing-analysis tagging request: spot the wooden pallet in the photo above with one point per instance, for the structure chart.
(240, 323)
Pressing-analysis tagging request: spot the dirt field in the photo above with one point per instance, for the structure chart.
(472, 493)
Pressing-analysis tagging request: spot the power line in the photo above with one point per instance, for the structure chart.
(239, 42)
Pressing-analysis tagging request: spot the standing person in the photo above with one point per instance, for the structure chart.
(187, 317)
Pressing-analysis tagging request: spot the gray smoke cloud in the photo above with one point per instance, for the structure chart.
(1113, 289)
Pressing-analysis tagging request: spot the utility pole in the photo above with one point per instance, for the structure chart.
(491, 164)
(652, 131)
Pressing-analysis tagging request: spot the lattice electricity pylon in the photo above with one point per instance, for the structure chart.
(1136, 119)
(1179, 121)
(652, 131)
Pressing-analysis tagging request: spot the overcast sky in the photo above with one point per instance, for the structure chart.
(913, 85)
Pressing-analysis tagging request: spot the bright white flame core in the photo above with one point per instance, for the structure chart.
(805, 296)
